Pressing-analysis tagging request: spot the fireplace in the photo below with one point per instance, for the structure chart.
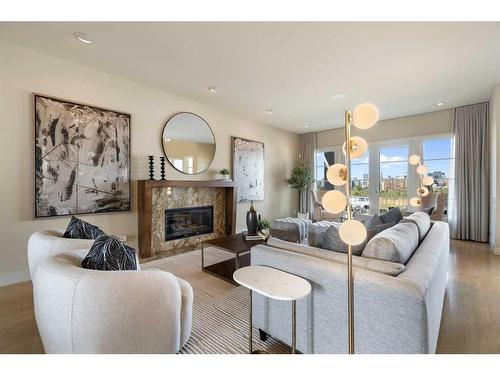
(188, 221)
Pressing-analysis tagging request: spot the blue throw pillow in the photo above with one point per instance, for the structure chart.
(82, 230)
(108, 253)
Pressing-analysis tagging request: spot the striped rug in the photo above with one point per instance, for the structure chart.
(220, 309)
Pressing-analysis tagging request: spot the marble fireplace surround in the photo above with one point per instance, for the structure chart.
(155, 196)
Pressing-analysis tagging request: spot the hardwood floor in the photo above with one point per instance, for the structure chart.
(471, 312)
(470, 323)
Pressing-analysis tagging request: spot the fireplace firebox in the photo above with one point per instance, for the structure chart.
(188, 221)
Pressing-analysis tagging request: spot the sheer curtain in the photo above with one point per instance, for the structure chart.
(469, 216)
(307, 156)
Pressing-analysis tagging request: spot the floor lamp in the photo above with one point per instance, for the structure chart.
(351, 231)
(424, 181)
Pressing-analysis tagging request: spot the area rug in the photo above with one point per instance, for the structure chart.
(220, 309)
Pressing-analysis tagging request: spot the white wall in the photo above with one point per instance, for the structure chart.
(494, 112)
(432, 123)
(24, 71)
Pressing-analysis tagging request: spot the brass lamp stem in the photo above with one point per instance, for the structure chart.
(350, 281)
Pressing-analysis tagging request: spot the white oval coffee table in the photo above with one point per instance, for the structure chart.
(275, 284)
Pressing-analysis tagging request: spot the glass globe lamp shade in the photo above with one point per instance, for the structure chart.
(423, 191)
(365, 116)
(427, 180)
(414, 159)
(352, 232)
(422, 169)
(337, 174)
(358, 147)
(334, 201)
(415, 202)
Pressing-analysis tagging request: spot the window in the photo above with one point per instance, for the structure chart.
(190, 165)
(393, 190)
(323, 160)
(438, 156)
(178, 163)
(360, 183)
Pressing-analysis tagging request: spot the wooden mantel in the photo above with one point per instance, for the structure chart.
(145, 196)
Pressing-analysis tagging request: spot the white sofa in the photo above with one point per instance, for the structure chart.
(87, 311)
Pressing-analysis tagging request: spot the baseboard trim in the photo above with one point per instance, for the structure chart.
(14, 277)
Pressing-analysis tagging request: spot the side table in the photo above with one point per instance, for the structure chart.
(276, 284)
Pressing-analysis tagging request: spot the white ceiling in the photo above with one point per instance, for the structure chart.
(293, 68)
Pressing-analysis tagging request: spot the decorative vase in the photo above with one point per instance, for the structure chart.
(252, 220)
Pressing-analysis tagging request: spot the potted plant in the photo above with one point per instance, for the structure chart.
(224, 172)
(301, 178)
(264, 225)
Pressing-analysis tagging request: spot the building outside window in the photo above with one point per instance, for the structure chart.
(393, 190)
(438, 156)
(360, 183)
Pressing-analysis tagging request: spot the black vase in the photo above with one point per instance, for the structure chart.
(252, 220)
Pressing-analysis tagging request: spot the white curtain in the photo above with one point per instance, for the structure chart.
(469, 216)
(307, 157)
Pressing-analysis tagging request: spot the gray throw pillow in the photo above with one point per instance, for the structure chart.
(428, 210)
(373, 222)
(332, 241)
(391, 216)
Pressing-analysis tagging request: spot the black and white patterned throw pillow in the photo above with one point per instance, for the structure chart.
(82, 230)
(108, 253)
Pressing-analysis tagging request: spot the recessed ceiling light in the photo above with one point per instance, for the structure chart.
(212, 89)
(306, 126)
(440, 104)
(82, 37)
(339, 95)
(269, 111)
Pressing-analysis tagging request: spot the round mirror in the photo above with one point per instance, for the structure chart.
(188, 143)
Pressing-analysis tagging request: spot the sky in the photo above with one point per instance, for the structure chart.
(394, 159)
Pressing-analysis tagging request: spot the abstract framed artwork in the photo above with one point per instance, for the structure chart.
(82, 158)
(248, 169)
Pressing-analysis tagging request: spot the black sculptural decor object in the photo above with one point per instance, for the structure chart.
(151, 167)
(162, 167)
(252, 220)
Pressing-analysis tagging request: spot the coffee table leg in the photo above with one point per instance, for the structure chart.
(294, 327)
(237, 261)
(250, 330)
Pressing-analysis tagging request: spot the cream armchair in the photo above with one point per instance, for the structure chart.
(78, 310)
(320, 213)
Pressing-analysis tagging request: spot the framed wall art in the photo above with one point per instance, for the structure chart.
(82, 158)
(248, 169)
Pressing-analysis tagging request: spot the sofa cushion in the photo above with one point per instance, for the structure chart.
(423, 222)
(108, 253)
(395, 244)
(394, 215)
(79, 229)
(375, 265)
